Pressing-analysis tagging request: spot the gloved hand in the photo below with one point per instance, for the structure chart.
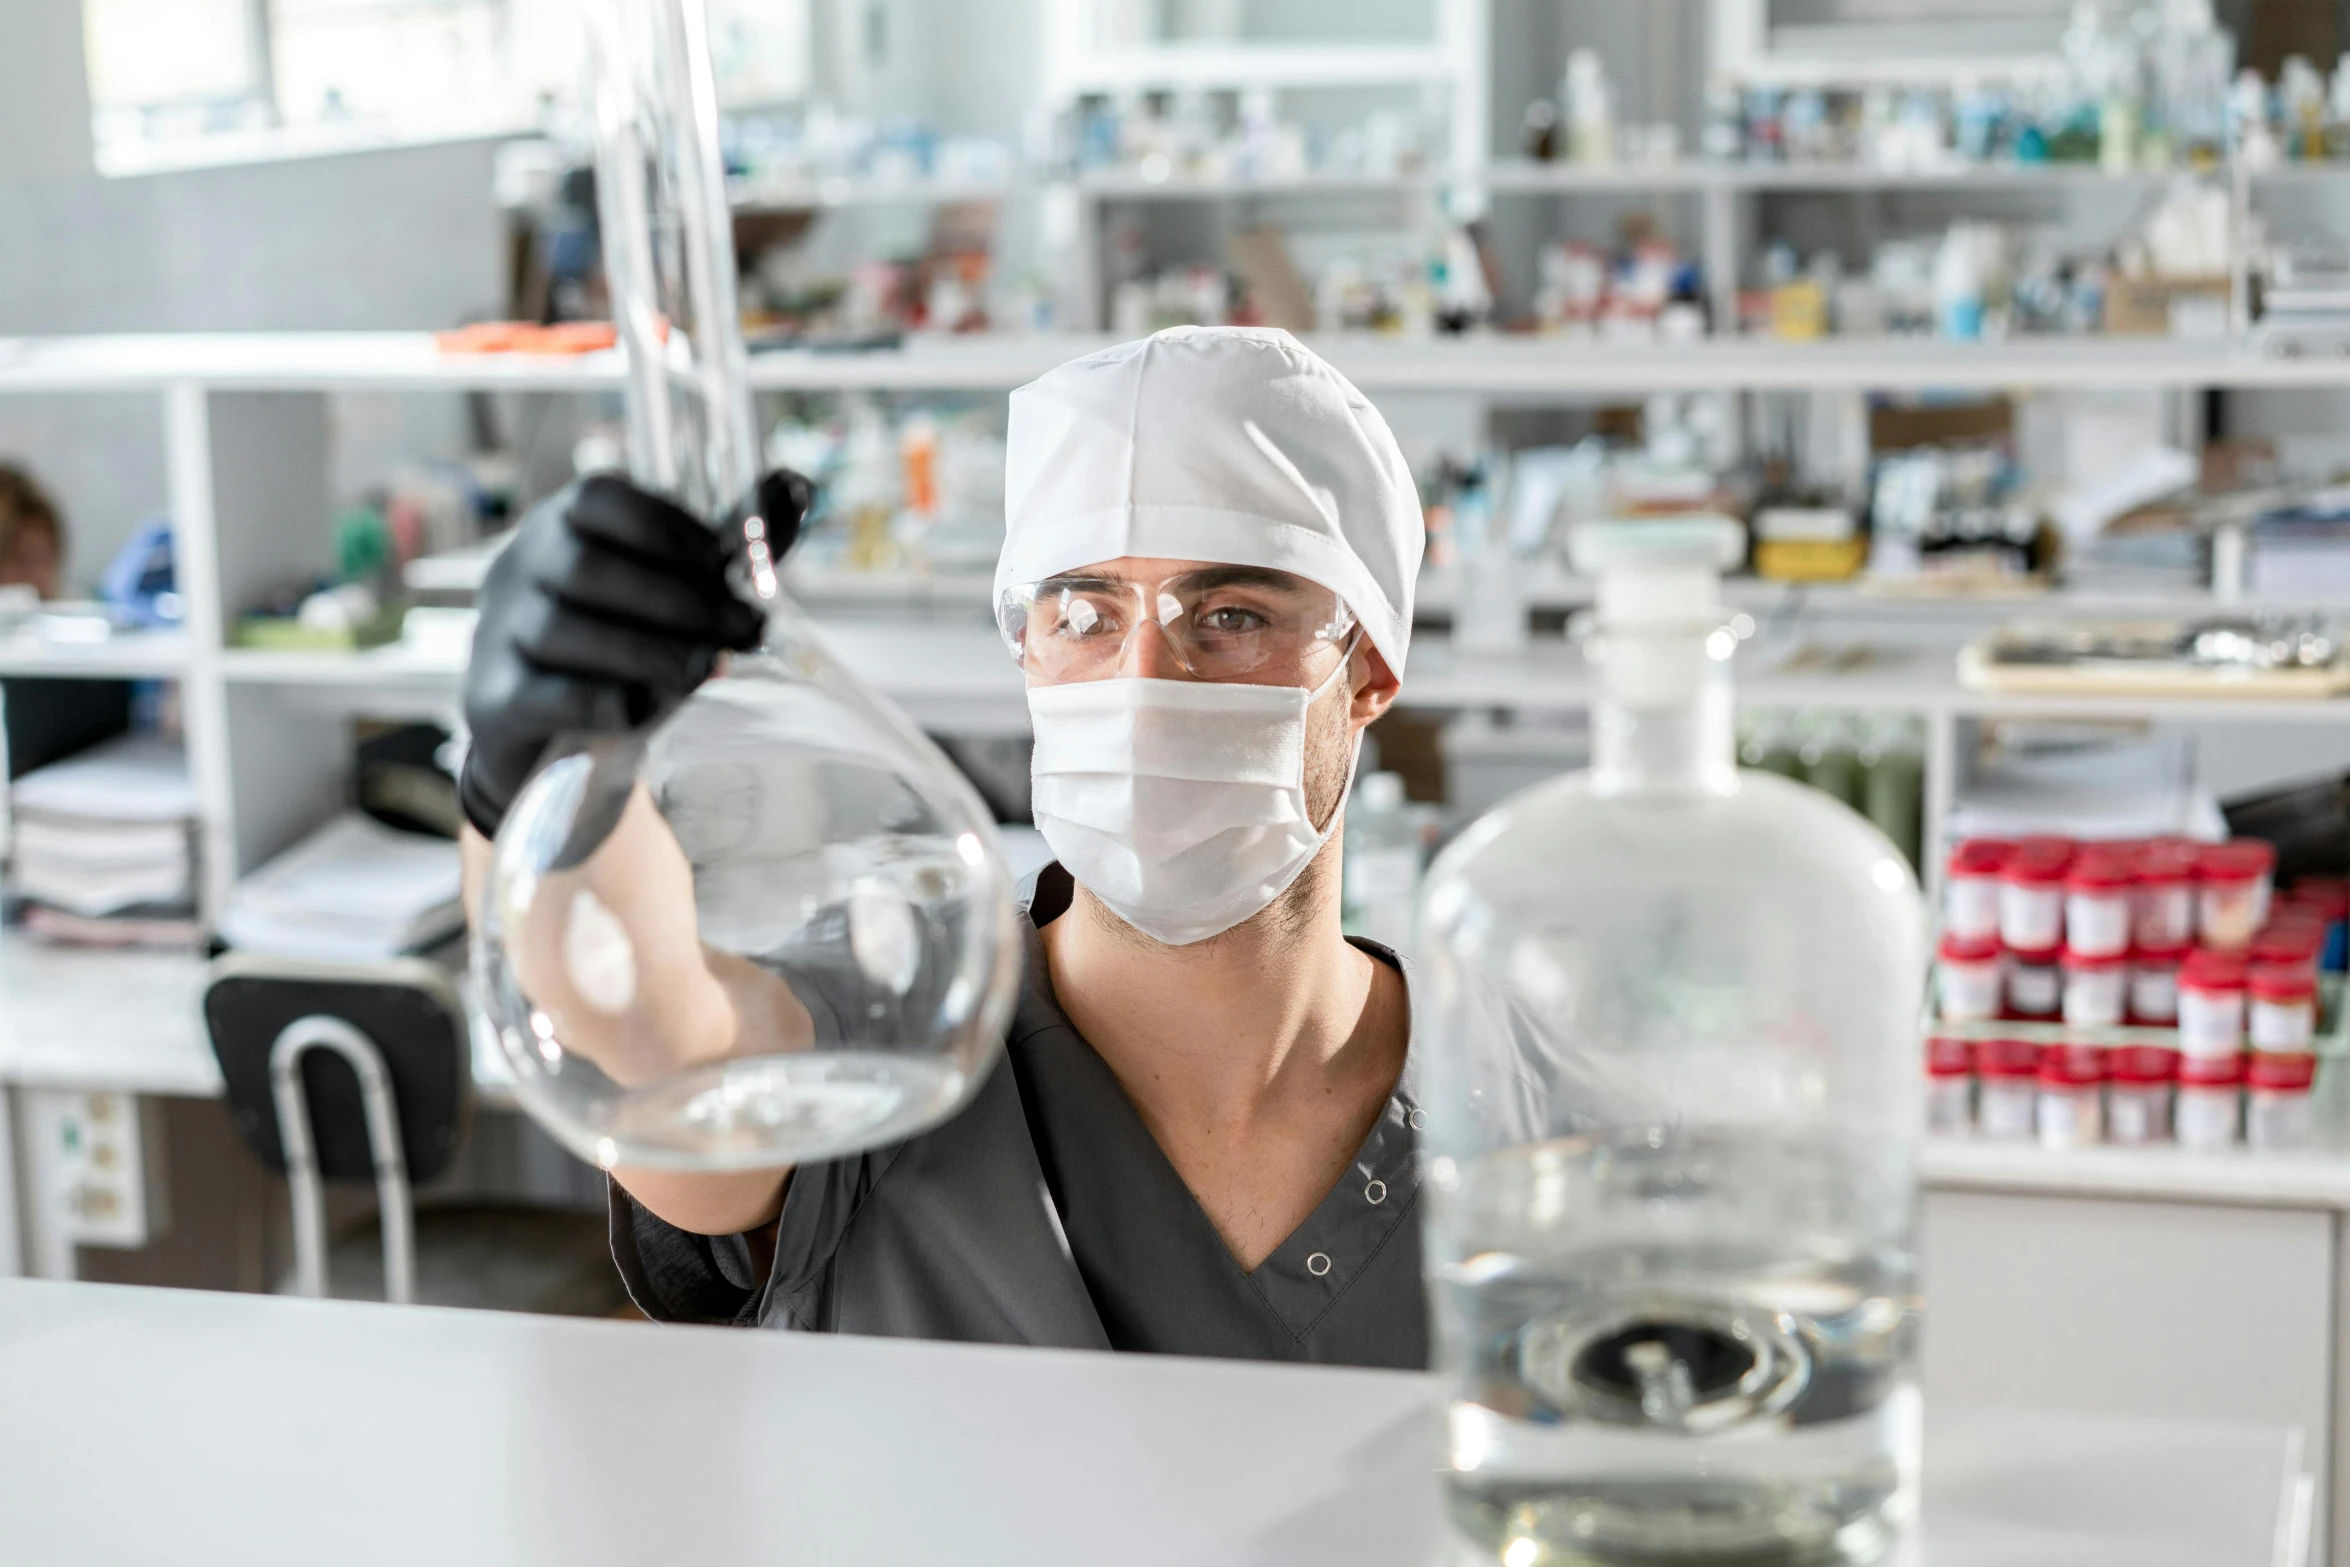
(610, 606)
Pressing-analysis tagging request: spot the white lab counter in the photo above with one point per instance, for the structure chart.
(143, 1425)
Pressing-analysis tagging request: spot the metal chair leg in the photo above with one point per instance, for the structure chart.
(294, 1041)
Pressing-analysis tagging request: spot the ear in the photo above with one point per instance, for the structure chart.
(1375, 686)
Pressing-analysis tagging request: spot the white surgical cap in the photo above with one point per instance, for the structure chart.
(1236, 445)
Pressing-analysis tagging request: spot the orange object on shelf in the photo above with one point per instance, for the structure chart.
(524, 337)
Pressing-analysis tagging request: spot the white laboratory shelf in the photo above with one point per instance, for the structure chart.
(1129, 185)
(1539, 368)
(394, 682)
(138, 655)
(393, 666)
(2318, 1178)
(1530, 177)
(1474, 366)
(286, 361)
(833, 192)
(1230, 66)
(94, 1018)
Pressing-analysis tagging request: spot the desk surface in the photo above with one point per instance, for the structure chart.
(148, 1425)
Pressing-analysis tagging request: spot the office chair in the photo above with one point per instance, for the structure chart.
(363, 1073)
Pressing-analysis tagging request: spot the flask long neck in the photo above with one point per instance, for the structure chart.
(1663, 719)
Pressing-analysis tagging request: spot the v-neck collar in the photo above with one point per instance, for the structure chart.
(1303, 1278)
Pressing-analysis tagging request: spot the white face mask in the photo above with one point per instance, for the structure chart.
(1180, 804)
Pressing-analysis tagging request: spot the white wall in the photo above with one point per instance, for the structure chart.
(378, 240)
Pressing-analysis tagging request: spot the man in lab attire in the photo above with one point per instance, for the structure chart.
(1200, 1139)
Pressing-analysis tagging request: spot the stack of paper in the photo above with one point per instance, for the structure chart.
(107, 832)
(2303, 551)
(355, 891)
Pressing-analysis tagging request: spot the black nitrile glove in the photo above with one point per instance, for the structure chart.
(607, 610)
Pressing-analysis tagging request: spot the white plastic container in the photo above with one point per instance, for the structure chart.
(2210, 1110)
(2281, 1018)
(1950, 1087)
(2007, 1109)
(2138, 1094)
(1970, 889)
(2163, 902)
(2211, 1006)
(2154, 988)
(2097, 903)
(2035, 985)
(2071, 1109)
(2232, 886)
(2007, 1096)
(2031, 895)
(2277, 1102)
(2096, 989)
(1969, 980)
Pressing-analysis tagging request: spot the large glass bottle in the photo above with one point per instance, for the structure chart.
(1672, 1109)
(779, 927)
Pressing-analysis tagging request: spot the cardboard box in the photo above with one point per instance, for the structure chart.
(2166, 307)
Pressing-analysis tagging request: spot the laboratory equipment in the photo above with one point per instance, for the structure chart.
(1672, 1096)
(2138, 1099)
(2072, 1097)
(2211, 1005)
(778, 928)
(2210, 1106)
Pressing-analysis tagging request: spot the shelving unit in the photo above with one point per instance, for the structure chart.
(1485, 366)
(246, 427)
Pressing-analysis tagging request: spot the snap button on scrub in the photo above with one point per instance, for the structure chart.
(1375, 1193)
(1318, 1264)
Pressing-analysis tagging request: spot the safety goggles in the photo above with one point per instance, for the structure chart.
(1218, 623)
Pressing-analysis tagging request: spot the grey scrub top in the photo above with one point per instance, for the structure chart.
(1046, 1213)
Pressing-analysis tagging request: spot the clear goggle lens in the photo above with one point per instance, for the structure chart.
(1218, 623)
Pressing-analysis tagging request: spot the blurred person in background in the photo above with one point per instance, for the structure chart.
(32, 535)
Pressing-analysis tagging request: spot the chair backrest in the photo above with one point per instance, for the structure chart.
(408, 1009)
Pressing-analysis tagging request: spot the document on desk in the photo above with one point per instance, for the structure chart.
(355, 891)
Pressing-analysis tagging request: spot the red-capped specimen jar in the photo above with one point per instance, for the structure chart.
(2326, 899)
(2210, 1107)
(2031, 894)
(2281, 1018)
(2291, 939)
(1950, 1086)
(2035, 985)
(2163, 902)
(2231, 897)
(2154, 987)
(2276, 1107)
(1968, 979)
(1970, 888)
(2098, 902)
(2007, 1101)
(2072, 1097)
(2138, 1088)
(2211, 1004)
(2096, 988)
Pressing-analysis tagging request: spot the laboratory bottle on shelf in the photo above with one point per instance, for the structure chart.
(1382, 864)
(1673, 1100)
(778, 927)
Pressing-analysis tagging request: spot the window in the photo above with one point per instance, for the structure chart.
(175, 83)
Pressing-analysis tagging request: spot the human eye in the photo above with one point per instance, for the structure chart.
(1081, 615)
(1233, 620)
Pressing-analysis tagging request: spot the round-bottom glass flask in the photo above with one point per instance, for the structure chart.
(779, 927)
(1673, 1101)
(792, 936)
